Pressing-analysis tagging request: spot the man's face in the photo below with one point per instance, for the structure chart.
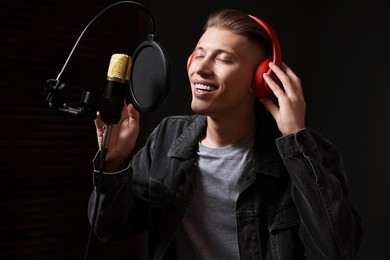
(222, 71)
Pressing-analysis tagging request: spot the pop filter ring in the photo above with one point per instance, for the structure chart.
(147, 56)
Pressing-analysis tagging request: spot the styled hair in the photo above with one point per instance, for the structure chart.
(241, 23)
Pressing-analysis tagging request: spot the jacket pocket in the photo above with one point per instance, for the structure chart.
(283, 227)
(283, 217)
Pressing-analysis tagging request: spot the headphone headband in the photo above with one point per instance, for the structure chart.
(261, 88)
(276, 50)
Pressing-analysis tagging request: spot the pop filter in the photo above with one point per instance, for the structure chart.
(149, 80)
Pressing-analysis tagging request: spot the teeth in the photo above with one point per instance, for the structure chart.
(204, 87)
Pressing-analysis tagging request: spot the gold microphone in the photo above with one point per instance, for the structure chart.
(119, 68)
(118, 75)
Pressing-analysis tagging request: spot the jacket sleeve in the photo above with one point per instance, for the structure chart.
(122, 196)
(330, 226)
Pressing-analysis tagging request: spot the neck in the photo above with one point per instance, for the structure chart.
(228, 129)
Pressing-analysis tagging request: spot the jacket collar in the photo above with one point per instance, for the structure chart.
(266, 159)
(186, 146)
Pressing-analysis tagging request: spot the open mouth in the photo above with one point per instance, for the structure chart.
(201, 87)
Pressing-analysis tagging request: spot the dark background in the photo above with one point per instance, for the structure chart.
(339, 50)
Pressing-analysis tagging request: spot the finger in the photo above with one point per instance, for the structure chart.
(132, 112)
(296, 81)
(291, 83)
(276, 89)
(132, 116)
(282, 76)
(98, 121)
(276, 69)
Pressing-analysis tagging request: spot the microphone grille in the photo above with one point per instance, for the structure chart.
(119, 68)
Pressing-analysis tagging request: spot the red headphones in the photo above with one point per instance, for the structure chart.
(260, 87)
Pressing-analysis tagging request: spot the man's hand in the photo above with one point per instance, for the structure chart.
(290, 111)
(123, 138)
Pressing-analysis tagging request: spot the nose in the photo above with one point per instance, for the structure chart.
(202, 66)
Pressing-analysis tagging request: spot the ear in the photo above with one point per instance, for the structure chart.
(189, 60)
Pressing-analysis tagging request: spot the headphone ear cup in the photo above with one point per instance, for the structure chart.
(260, 87)
(189, 61)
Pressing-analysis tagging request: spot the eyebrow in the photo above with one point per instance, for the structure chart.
(217, 51)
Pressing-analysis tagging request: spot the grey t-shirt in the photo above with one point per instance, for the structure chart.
(209, 229)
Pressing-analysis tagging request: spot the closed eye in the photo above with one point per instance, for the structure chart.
(224, 60)
(198, 57)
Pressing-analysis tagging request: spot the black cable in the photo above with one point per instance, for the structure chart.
(97, 16)
(107, 129)
(102, 159)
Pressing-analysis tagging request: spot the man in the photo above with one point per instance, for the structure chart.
(239, 179)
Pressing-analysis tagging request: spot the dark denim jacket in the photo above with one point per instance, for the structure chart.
(294, 204)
